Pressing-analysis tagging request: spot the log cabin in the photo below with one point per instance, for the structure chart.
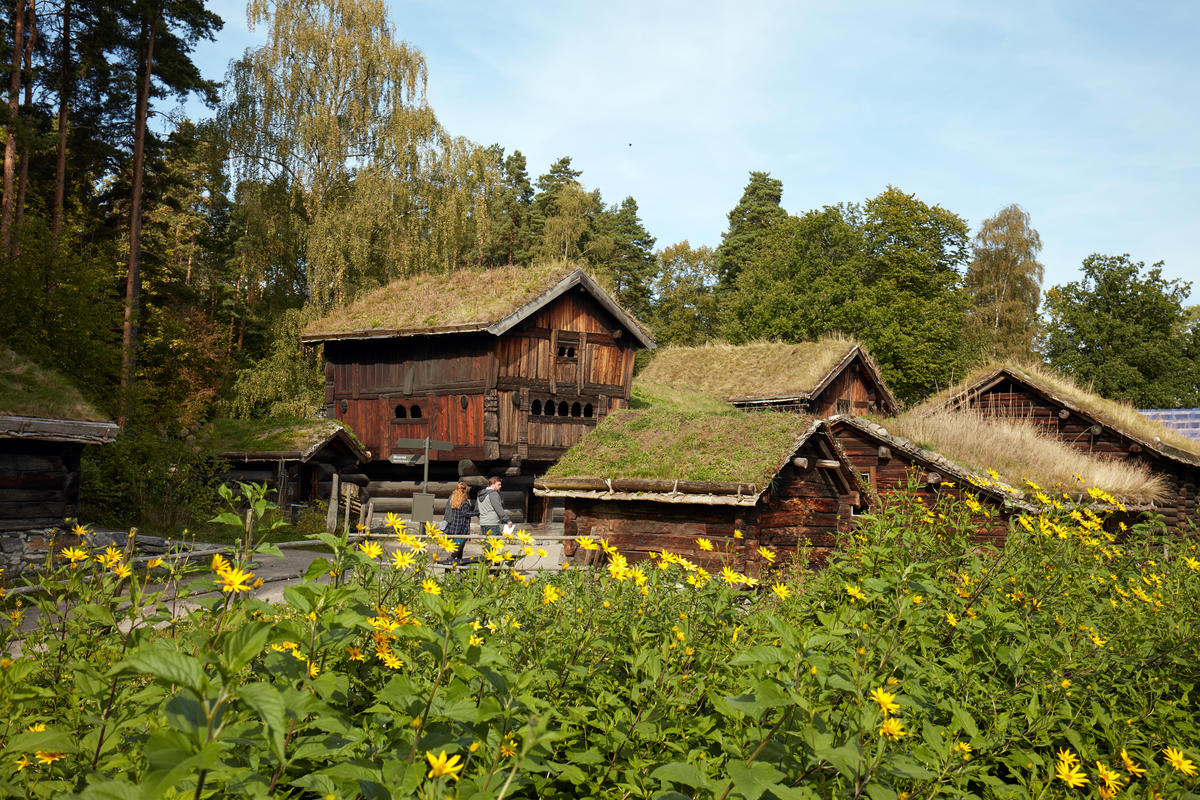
(676, 467)
(1001, 464)
(830, 376)
(509, 367)
(1088, 423)
(295, 457)
(44, 425)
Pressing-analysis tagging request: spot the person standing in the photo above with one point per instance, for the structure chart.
(458, 518)
(491, 508)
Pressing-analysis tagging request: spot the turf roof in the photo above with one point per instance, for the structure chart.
(743, 371)
(465, 298)
(273, 435)
(1113, 413)
(1019, 451)
(28, 390)
(670, 434)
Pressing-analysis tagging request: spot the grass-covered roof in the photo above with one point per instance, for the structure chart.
(466, 299)
(273, 435)
(1018, 451)
(1113, 413)
(29, 390)
(670, 434)
(757, 369)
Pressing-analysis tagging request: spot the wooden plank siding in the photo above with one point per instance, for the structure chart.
(489, 396)
(39, 483)
(848, 393)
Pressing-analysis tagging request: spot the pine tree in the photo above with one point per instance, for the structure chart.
(749, 222)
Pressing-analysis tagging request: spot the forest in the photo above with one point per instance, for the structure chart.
(165, 265)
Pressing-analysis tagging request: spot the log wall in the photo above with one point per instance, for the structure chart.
(39, 483)
(849, 393)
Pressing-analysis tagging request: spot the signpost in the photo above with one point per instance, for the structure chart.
(422, 510)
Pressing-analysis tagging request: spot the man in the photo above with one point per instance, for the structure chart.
(492, 515)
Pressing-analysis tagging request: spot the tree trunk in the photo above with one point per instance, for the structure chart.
(23, 150)
(10, 146)
(64, 95)
(133, 282)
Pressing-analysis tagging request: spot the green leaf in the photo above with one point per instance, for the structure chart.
(681, 772)
(243, 644)
(165, 663)
(752, 780)
(760, 654)
(267, 702)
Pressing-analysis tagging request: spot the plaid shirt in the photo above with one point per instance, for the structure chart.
(458, 520)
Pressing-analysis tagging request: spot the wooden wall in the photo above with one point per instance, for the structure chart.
(852, 387)
(530, 393)
(39, 483)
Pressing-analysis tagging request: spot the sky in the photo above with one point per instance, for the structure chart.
(1084, 113)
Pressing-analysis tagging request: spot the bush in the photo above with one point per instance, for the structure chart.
(918, 663)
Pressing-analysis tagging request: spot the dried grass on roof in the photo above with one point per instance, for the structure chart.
(273, 435)
(1018, 451)
(670, 434)
(28, 390)
(758, 369)
(438, 300)
(1114, 413)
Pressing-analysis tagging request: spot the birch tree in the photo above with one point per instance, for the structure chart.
(1004, 282)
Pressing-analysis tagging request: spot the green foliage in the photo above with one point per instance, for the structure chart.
(287, 382)
(684, 308)
(885, 272)
(154, 478)
(1123, 330)
(749, 221)
(1004, 283)
(918, 662)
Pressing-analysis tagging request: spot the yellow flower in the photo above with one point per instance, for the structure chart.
(220, 564)
(892, 728)
(1066, 683)
(36, 727)
(738, 534)
(1112, 778)
(1178, 762)
(586, 543)
(508, 749)
(355, 654)
(1070, 773)
(550, 595)
(1132, 767)
(430, 586)
(953, 620)
(887, 700)
(918, 599)
(122, 570)
(1096, 640)
(781, 591)
(74, 554)
(48, 756)
(704, 544)
(440, 765)
(729, 576)
(154, 563)
(475, 641)
(963, 748)
(1192, 563)
(235, 580)
(855, 592)
(372, 549)
(767, 554)
(313, 669)
(402, 559)
(390, 660)
(22, 762)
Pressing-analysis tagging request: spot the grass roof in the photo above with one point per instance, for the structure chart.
(758, 369)
(1018, 451)
(1115, 414)
(28, 390)
(273, 435)
(669, 434)
(441, 300)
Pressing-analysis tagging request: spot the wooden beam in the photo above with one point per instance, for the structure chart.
(553, 361)
(800, 463)
(885, 453)
(1063, 413)
(933, 477)
(828, 463)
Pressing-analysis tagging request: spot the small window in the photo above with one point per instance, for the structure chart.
(570, 352)
(576, 410)
(843, 406)
(415, 412)
(562, 351)
(563, 410)
(588, 411)
(463, 402)
(549, 412)
(401, 412)
(536, 407)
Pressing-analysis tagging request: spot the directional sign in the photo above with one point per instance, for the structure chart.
(423, 443)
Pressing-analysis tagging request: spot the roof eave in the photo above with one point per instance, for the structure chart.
(54, 429)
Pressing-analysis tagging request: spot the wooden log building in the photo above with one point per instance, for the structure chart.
(1088, 423)
(509, 366)
(830, 376)
(295, 457)
(674, 468)
(44, 425)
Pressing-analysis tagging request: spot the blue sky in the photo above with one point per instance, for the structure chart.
(1084, 113)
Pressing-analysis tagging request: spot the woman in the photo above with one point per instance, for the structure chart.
(458, 518)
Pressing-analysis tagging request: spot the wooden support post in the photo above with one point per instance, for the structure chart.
(553, 360)
(331, 517)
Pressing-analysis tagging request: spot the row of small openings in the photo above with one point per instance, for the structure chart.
(566, 352)
(408, 412)
(561, 410)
